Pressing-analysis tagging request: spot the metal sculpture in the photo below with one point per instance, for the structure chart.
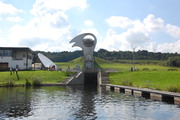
(88, 46)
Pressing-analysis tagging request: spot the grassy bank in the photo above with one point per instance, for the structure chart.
(30, 77)
(71, 64)
(160, 80)
(148, 75)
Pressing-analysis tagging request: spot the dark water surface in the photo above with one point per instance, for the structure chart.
(80, 103)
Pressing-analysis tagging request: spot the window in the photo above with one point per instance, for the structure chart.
(1, 53)
(5, 53)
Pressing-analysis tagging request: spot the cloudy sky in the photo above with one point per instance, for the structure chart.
(49, 25)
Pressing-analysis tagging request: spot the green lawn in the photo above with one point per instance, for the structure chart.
(161, 80)
(154, 76)
(148, 75)
(43, 76)
(71, 64)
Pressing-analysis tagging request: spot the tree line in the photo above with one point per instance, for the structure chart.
(66, 56)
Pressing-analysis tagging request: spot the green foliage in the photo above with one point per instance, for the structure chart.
(64, 56)
(68, 73)
(160, 80)
(115, 56)
(174, 89)
(174, 61)
(126, 83)
(27, 77)
(36, 81)
(27, 83)
(10, 83)
(145, 69)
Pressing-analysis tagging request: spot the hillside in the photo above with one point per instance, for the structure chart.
(115, 56)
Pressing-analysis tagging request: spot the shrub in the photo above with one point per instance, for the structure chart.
(27, 83)
(10, 83)
(145, 69)
(68, 73)
(170, 69)
(36, 82)
(126, 83)
(174, 61)
(174, 89)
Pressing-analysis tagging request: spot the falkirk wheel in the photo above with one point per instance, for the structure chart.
(87, 41)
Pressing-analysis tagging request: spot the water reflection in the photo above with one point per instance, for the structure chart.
(79, 103)
(15, 102)
(86, 110)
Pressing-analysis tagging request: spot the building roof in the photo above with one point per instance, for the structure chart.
(17, 48)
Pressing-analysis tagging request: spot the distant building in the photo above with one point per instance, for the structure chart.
(21, 57)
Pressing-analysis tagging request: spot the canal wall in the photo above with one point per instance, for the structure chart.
(76, 79)
(169, 97)
(83, 78)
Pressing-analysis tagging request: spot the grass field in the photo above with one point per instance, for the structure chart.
(30, 76)
(71, 64)
(161, 80)
(150, 74)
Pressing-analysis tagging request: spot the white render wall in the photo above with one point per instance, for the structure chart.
(20, 61)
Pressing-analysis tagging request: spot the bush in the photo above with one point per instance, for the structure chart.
(170, 69)
(174, 89)
(145, 69)
(126, 83)
(10, 83)
(174, 61)
(68, 73)
(36, 82)
(27, 83)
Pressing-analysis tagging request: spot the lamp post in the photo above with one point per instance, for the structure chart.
(133, 54)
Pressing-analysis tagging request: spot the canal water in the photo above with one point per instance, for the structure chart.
(80, 103)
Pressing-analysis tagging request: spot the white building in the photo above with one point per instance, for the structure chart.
(15, 56)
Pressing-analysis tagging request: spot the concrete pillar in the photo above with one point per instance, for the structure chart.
(177, 100)
(116, 89)
(156, 96)
(108, 88)
(128, 91)
(137, 93)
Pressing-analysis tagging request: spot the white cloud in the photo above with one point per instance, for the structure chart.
(8, 9)
(138, 34)
(125, 40)
(149, 24)
(169, 47)
(88, 23)
(153, 24)
(14, 19)
(174, 31)
(49, 30)
(119, 21)
(41, 7)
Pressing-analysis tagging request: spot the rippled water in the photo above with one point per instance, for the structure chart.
(80, 103)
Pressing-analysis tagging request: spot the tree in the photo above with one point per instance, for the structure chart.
(174, 61)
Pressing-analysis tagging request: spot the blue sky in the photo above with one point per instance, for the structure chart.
(49, 25)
